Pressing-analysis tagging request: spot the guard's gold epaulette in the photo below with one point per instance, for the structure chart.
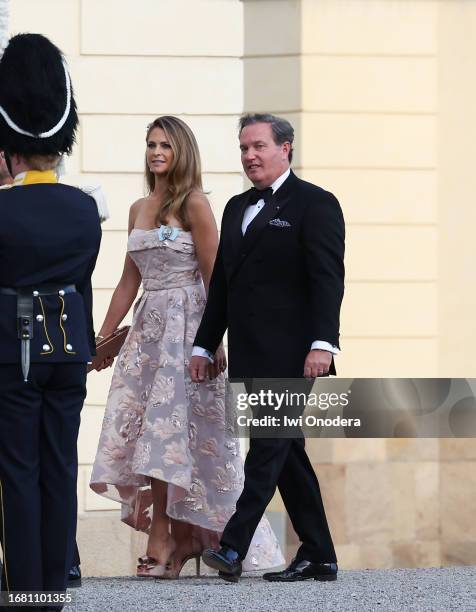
(5, 186)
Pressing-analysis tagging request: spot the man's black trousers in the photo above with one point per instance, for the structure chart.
(39, 423)
(281, 463)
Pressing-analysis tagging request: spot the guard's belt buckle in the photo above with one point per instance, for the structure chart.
(25, 314)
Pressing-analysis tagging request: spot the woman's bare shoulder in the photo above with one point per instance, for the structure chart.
(199, 212)
(135, 209)
(137, 205)
(197, 202)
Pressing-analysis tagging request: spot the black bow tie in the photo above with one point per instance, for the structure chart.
(259, 194)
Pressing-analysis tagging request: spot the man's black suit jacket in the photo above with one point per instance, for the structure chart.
(280, 286)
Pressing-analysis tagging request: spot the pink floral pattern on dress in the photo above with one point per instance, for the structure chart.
(157, 423)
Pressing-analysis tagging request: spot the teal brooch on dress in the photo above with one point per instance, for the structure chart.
(167, 233)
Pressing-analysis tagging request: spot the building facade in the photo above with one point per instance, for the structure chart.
(381, 96)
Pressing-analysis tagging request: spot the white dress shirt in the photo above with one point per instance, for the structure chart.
(249, 215)
(254, 209)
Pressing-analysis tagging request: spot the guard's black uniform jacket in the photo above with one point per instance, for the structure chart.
(49, 241)
(49, 234)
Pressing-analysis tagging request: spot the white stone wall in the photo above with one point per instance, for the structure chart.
(358, 79)
(369, 122)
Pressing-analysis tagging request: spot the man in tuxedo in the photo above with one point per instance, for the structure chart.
(277, 286)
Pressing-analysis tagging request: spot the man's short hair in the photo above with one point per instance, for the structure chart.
(41, 162)
(282, 130)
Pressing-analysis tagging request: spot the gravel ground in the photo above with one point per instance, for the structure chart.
(398, 590)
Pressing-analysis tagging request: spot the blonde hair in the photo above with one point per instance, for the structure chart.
(184, 176)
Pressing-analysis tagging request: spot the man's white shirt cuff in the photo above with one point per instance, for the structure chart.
(324, 346)
(198, 351)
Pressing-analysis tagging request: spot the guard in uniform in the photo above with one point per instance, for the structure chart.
(49, 240)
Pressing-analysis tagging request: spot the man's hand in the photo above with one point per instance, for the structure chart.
(198, 368)
(219, 365)
(317, 363)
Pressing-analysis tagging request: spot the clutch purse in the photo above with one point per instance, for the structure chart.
(109, 347)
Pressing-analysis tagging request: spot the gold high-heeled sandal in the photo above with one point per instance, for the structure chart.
(173, 574)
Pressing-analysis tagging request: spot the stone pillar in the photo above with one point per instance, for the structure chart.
(457, 264)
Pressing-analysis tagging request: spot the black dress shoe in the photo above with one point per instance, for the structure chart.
(304, 570)
(74, 577)
(226, 561)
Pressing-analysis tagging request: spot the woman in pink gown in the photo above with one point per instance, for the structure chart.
(166, 451)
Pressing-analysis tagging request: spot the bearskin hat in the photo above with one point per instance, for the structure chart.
(37, 108)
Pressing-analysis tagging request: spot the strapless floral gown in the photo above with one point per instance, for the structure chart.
(158, 424)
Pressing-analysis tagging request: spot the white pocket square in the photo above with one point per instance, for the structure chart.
(279, 223)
